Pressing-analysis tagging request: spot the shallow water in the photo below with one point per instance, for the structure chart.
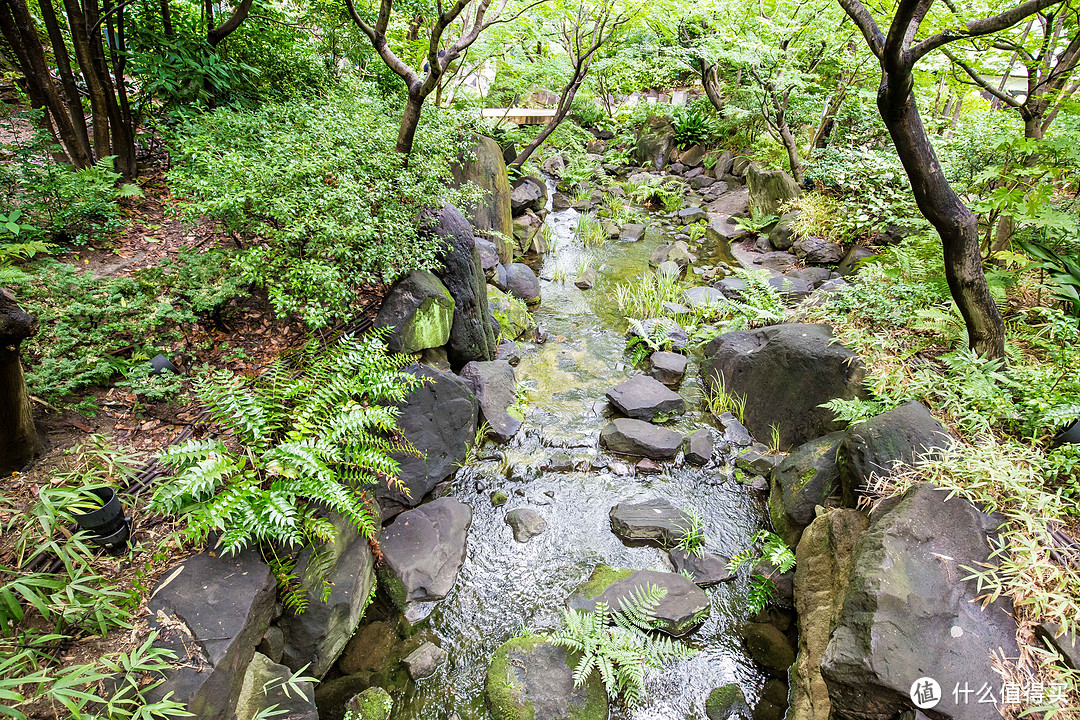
(505, 585)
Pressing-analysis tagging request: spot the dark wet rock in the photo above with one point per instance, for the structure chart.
(495, 386)
(758, 461)
(317, 636)
(224, 604)
(780, 237)
(424, 660)
(776, 261)
(439, 420)
(508, 351)
(373, 703)
(472, 335)
(263, 689)
(560, 201)
(688, 215)
(683, 608)
(586, 279)
(519, 280)
(521, 473)
(627, 436)
(816, 251)
(419, 311)
(806, 478)
(673, 334)
(850, 264)
(698, 447)
(768, 647)
(645, 398)
(770, 189)
(667, 367)
(814, 276)
(369, 649)
(529, 679)
(657, 520)
(423, 550)
(791, 287)
(485, 168)
(705, 569)
(489, 253)
(734, 430)
(1066, 644)
(878, 447)
(677, 252)
(655, 142)
(822, 570)
(727, 703)
(731, 287)
(773, 703)
(910, 564)
(631, 232)
(645, 466)
(558, 462)
(528, 194)
(525, 523)
(273, 643)
(785, 373)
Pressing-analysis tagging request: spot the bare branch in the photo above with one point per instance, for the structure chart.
(981, 27)
(865, 22)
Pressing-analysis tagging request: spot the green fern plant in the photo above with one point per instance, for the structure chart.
(620, 645)
(298, 447)
(777, 553)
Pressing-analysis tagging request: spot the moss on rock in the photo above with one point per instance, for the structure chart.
(372, 704)
(603, 577)
(509, 695)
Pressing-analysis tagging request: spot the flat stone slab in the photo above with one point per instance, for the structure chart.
(424, 660)
(698, 447)
(667, 367)
(646, 398)
(655, 519)
(627, 436)
(683, 608)
(705, 569)
(529, 678)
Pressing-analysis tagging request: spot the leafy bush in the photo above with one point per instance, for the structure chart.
(1063, 272)
(300, 446)
(318, 189)
(774, 550)
(693, 125)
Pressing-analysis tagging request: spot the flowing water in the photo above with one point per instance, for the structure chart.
(504, 585)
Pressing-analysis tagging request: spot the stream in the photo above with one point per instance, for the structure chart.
(505, 586)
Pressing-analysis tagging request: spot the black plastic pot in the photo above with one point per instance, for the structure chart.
(1070, 435)
(107, 525)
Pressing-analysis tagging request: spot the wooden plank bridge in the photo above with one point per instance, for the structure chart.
(520, 116)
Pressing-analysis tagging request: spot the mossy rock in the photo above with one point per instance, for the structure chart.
(498, 498)
(726, 702)
(372, 704)
(529, 679)
(682, 609)
(512, 314)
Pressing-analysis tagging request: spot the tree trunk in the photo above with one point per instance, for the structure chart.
(99, 110)
(564, 108)
(711, 84)
(67, 78)
(955, 223)
(166, 19)
(19, 442)
(410, 120)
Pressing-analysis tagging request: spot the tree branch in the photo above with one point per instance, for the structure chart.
(865, 22)
(979, 80)
(980, 27)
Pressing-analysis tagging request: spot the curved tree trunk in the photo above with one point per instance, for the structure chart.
(19, 442)
(410, 120)
(955, 223)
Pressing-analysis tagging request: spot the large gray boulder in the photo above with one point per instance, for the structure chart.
(484, 167)
(519, 280)
(422, 552)
(495, 386)
(818, 251)
(317, 636)
(682, 609)
(656, 520)
(529, 679)
(627, 436)
(876, 448)
(770, 189)
(806, 478)
(419, 311)
(473, 334)
(822, 570)
(785, 373)
(264, 689)
(655, 141)
(908, 611)
(528, 194)
(438, 418)
(645, 398)
(219, 607)
(782, 234)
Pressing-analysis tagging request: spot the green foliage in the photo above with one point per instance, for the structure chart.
(773, 550)
(300, 446)
(693, 538)
(757, 221)
(589, 230)
(317, 187)
(666, 193)
(1063, 272)
(694, 125)
(619, 645)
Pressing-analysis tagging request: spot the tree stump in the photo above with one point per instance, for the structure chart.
(19, 442)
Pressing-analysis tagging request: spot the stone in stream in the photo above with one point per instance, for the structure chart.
(369, 649)
(645, 466)
(512, 317)
(909, 612)
(677, 252)
(698, 447)
(704, 298)
(586, 279)
(223, 605)
(422, 552)
(519, 280)
(631, 232)
(667, 367)
(768, 647)
(683, 608)
(495, 386)
(705, 569)
(627, 436)
(419, 312)
(666, 330)
(758, 460)
(803, 480)
(263, 689)
(727, 703)
(645, 398)
(528, 194)
(529, 679)
(817, 251)
(688, 215)
(734, 431)
(508, 351)
(373, 703)
(525, 523)
(785, 373)
(424, 660)
(657, 520)
(670, 270)
(560, 201)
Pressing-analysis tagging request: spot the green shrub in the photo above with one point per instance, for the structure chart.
(693, 125)
(318, 191)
